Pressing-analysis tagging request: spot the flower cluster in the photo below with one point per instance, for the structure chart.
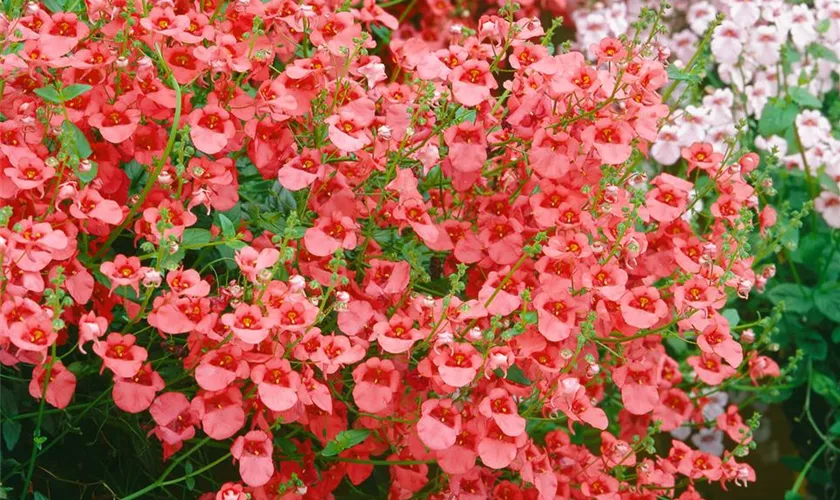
(446, 260)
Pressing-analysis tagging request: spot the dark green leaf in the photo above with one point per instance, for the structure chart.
(731, 315)
(7, 402)
(196, 236)
(792, 495)
(465, 115)
(90, 174)
(71, 92)
(835, 335)
(228, 230)
(834, 430)
(804, 98)
(678, 75)
(515, 374)
(55, 5)
(828, 303)
(797, 298)
(822, 52)
(826, 387)
(343, 441)
(829, 184)
(190, 481)
(49, 94)
(11, 433)
(777, 117)
(40, 496)
(80, 142)
(812, 344)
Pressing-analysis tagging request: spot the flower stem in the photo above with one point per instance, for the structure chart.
(152, 180)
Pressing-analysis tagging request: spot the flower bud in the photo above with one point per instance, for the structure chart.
(165, 178)
(342, 297)
(32, 8)
(152, 279)
(570, 385)
(297, 283)
(85, 166)
(384, 132)
(474, 333)
(748, 336)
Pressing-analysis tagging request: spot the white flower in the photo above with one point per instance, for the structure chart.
(802, 28)
(728, 42)
(709, 441)
(666, 148)
(828, 205)
(765, 45)
(700, 15)
(813, 127)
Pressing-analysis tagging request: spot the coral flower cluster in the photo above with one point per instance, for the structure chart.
(339, 239)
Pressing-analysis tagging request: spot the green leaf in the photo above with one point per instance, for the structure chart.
(732, 316)
(777, 116)
(80, 142)
(835, 335)
(678, 75)
(803, 97)
(465, 115)
(812, 344)
(834, 430)
(49, 94)
(190, 481)
(11, 433)
(822, 52)
(829, 184)
(828, 303)
(792, 495)
(824, 25)
(89, 175)
(71, 92)
(515, 374)
(55, 5)
(196, 236)
(228, 230)
(826, 387)
(797, 298)
(8, 405)
(343, 441)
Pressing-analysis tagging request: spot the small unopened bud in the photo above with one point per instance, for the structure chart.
(85, 166)
(570, 385)
(165, 178)
(342, 297)
(265, 274)
(567, 354)
(428, 301)
(297, 283)
(51, 162)
(121, 62)
(152, 279)
(593, 370)
(173, 247)
(769, 271)
(709, 249)
(744, 288)
(474, 333)
(145, 62)
(748, 336)
(32, 8)
(384, 132)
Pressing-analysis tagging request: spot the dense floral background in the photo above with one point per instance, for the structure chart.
(419, 249)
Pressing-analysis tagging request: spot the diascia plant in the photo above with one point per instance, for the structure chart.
(357, 253)
(766, 77)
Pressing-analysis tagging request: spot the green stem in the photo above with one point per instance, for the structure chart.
(161, 481)
(37, 434)
(152, 180)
